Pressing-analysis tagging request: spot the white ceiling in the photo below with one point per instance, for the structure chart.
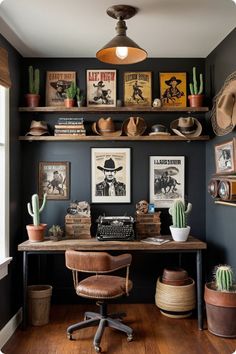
(78, 28)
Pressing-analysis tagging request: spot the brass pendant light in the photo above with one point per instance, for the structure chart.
(121, 49)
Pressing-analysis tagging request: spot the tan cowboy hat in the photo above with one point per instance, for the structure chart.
(38, 128)
(223, 114)
(105, 127)
(134, 126)
(187, 127)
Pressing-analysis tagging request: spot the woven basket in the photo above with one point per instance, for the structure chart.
(175, 301)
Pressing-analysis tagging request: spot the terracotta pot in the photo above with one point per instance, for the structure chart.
(36, 233)
(69, 102)
(221, 311)
(32, 100)
(195, 100)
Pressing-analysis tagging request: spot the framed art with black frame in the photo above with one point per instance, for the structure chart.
(110, 174)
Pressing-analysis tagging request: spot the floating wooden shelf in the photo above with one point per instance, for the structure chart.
(225, 203)
(63, 109)
(117, 138)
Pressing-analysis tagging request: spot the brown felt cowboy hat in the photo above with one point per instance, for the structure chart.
(105, 127)
(134, 126)
(38, 128)
(109, 165)
(223, 115)
(186, 127)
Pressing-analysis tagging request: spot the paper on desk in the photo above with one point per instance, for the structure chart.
(155, 240)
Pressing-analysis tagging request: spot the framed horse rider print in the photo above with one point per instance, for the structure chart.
(138, 88)
(173, 89)
(166, 180)
(101, 88)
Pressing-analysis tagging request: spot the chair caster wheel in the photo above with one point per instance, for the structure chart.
(69, 336)
(97, 349)
(129, 337)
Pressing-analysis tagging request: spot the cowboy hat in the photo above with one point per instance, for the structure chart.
(134, 126)
(106, 127)
(187, 127)
(159, 129)
(223, 114)
(38, 128)
(173, 78)
(63, 83)
(109, 165)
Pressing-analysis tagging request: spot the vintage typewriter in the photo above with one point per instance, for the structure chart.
(115, 228)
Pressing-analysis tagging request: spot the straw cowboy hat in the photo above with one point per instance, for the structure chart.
(187, 127)
(134, 126)
(105, 127)
(159, 129)
(38, 128)
(109, 165)
(223, 114)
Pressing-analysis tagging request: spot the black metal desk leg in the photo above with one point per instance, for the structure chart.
(25, 283)
(199, 290)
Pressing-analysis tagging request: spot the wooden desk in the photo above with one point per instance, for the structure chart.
(192, 245)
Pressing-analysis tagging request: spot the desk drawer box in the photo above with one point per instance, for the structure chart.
(77, 227)
(148, 225)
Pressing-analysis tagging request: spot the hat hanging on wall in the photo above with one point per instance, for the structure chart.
(105, 127)
(134, 126)
(186, 127)
(223, 114)
(38, 128)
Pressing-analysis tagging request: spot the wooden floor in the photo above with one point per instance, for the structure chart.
(154, 334)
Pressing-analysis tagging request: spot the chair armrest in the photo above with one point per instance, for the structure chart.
(121, 261)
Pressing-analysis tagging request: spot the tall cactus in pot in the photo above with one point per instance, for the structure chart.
(33, 97)
(179, 213)
(36, 230)
(196, 97)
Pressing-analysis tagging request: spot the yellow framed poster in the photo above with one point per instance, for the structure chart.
(173, 89)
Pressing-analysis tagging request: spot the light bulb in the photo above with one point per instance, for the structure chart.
(122, 52)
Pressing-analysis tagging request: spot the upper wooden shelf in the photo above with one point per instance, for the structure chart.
(63, 109)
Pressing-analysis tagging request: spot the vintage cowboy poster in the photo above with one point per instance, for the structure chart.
(56, 84)
(173, 91)
(138, 88)
(110, 175)
(101, 88)
(166, 180)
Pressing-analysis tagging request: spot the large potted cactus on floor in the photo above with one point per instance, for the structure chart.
(179, 212)
(36, 230)
(33, 97)
(220, 298)
(196, 97)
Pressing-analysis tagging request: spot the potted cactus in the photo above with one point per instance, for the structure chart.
(70, 95)
(55, 232)
(220, 298)
(79, 97)
(36, 230)
(33, 97)
(196, 97)
(179, 212)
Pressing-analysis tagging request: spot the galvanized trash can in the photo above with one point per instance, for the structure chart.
(39, 299)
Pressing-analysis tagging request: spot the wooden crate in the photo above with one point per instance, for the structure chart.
(77, 227)
(148, 225)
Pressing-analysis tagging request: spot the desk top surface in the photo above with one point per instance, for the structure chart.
(94, 245)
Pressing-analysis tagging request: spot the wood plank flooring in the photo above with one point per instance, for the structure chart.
(153, 334)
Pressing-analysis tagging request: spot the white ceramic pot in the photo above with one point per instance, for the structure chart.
(179, 234)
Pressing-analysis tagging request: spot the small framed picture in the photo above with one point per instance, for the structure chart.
(173, 89)
(225, 157)
(138, 88)
(110, 175)
(151, 208)
(56, 84)
(54, 180)
(166, 180)
(101, 88)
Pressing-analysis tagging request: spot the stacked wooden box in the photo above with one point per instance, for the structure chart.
(77, 226)
(148, 225)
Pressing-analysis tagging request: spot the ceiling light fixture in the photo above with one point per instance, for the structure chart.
(121, 49)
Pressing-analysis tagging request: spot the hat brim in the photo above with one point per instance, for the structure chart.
(103, 133)
(142, 126)
(110, 169)
(196, 133)
(37, 133)
(169, 81)
(159, 133)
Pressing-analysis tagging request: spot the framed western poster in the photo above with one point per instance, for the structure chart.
(110, 175)
(225, 157)
(101, 88)
(166, 180)
(173, 89)
(138, 88)
(56, 84)
(54, 180)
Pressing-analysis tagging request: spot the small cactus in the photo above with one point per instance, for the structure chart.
(33, 80)
(56, 230)
(179, 213)
(224, 278)
(194, 86)
(35, 210)
(71, 91)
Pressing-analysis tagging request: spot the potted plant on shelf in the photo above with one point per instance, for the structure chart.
(70, 95)
(33, 97)
(55, 232)
(36, 230)
(220, 299)
(196, 97)
(80, 97)
(179, 229)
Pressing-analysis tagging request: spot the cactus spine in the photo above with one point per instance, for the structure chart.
(33, 80)
(194, 86)
(224, 278)
(179, 213)
(35, 206)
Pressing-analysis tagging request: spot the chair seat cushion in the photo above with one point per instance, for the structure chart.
(102, 287)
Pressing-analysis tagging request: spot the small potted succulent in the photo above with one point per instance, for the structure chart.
(79, 97)
(70, 95)
(220, 299)
(196, 97)
(55, 232)
(33, 97)
(36, 230)
(179, 212)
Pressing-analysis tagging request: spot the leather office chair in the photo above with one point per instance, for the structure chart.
(101, 287)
